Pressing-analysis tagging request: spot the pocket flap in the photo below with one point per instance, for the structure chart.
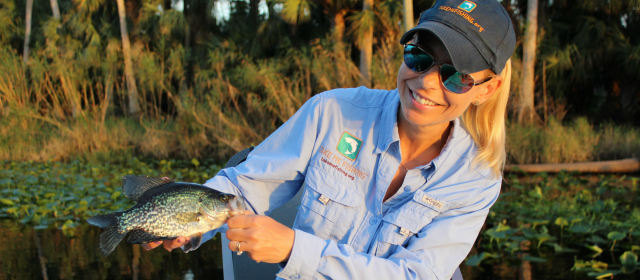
(392, 235)
(342, 192)
(409, 222)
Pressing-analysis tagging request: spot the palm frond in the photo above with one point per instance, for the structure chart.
(7, 25)
(297, 11)
(88, 6)
(171, 21)
(361, 23)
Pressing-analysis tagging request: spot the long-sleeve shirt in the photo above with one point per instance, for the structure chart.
(343, 147)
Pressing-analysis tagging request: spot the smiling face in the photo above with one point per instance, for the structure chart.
(425, 101)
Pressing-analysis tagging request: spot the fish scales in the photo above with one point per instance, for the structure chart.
(160, 215)
(166, 210)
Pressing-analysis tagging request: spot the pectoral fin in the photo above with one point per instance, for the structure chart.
(195, 242)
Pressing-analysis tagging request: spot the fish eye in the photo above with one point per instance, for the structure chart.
(224, 198)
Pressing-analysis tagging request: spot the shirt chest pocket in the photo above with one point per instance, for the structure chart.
(402, 224)
(328, 205)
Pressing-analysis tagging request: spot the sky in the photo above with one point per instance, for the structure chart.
(221, 9)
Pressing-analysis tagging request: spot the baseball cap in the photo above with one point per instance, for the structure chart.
(478, 34)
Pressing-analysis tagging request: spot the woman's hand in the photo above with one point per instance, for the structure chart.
(261, 236)
(167, 244)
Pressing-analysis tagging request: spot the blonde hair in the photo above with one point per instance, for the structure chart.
(486, 124)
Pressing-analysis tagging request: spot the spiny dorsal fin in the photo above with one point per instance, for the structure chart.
(135, 186)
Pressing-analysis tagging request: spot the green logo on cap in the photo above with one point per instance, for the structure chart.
(349, 146)
(468, 6)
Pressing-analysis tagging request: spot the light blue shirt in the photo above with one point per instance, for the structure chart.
(343, 145)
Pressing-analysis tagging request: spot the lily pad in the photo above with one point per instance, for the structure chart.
(7, 202)
(580, 229)
(628, 259)
(477, 259)
(594, 248)
(534, 259)
(615, 235)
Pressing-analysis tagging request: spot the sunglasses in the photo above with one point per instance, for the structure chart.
(419, 61)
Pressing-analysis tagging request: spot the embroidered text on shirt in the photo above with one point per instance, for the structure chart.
(432, 202)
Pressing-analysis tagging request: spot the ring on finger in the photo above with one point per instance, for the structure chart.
(238, 252)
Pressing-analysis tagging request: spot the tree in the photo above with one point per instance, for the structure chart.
(56, 11)
(134, 105)
(408, 15)
(27, 33)
(336, 11)
(526, 110)
(366, 42)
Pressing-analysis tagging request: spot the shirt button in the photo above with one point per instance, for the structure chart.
(295, 277)
(373, 221)
(407, 188)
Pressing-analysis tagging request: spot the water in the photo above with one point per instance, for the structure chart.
(77, 257)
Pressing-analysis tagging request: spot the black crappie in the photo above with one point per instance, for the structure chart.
(165, 210)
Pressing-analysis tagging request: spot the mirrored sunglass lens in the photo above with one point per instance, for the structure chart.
(455, 81)
(416, 59)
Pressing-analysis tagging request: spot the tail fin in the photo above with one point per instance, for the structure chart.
(111, 236)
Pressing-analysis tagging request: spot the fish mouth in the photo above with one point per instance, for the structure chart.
(236, 205)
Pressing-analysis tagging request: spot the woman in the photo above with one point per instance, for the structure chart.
(397, 183)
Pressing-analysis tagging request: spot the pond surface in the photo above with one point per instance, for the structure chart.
(61, 257)
(77, 257)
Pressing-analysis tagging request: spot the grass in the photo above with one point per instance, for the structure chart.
(62, 106)
(64, 109)
(576, 141)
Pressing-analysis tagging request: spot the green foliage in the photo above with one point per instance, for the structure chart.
(578, 70)
(210, 87)
(56, 193)
(588, 213)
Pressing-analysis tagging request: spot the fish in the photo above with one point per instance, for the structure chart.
(165, 210)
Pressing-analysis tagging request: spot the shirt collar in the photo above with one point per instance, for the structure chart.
(388, 129)
(455, 137)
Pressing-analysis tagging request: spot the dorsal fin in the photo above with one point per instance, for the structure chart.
(135, 186)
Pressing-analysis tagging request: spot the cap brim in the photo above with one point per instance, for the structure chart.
(465, 56)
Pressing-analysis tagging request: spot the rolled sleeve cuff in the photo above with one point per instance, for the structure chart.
(305, 257)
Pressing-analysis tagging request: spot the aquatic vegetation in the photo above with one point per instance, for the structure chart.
(595, 218)
(591, 221)
(64, 194)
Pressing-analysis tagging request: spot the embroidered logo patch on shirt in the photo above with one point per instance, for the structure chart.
(349, 146)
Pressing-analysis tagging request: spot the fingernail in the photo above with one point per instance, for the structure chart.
(180, 239)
